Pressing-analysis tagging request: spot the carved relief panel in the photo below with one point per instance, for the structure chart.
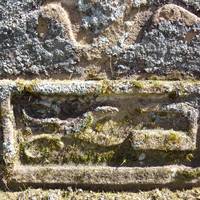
(73, 130)
(100, 94)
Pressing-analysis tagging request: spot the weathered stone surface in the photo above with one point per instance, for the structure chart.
(100, 94)
(82, 132)
(79, 194)
(89, 39)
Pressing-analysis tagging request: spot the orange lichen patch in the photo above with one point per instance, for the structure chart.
(175, 13)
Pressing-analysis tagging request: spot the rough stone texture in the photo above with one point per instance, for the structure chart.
(80, 194)
(172, 43)
(71, 39)
(82, 133)
(23, 52)
(99, 94)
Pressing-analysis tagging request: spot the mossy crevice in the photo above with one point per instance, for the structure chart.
(187, 175)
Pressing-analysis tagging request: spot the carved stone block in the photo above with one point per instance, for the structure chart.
(100, 94)
(103, 133)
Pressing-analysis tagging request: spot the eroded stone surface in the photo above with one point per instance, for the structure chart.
(57, 131)
(111, 114)
(82, 194)
(98, 39)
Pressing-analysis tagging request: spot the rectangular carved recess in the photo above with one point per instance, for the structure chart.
(101, 132)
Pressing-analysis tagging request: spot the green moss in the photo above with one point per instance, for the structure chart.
(173, 138)
(138, 84)
(41, 148)
(49, 149)
(25, 133)
(139, 110)
(83, 149)
(105, 90)
(187, 174)
(156, 84)
(80, 151)
(98, 127)
(189, 157)
(84, 155)
(93, 74)
(20, 85)
(182, 90)
(29, 87)
(88, 122)
(154, 77)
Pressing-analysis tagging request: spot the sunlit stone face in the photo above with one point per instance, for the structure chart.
(87, 127)
(99, 94)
